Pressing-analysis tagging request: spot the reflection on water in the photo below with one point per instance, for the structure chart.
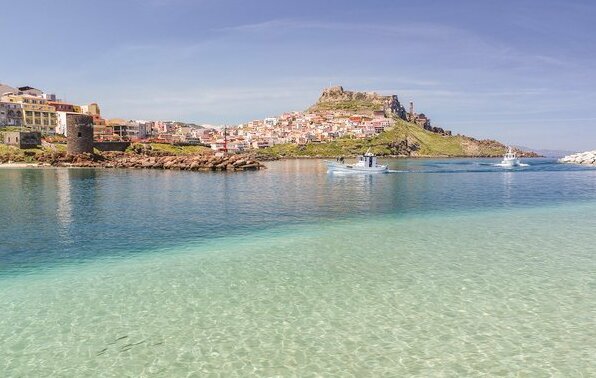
(507, 186)
(448, 270)
(59, 215)
(64, 210)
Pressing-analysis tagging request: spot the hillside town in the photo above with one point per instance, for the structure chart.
(33, 112)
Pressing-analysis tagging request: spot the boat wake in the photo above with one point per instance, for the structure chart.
(510, 166)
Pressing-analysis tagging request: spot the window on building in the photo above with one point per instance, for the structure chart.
(79, 134)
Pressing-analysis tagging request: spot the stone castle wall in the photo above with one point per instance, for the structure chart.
(111, 146)
(337, 95)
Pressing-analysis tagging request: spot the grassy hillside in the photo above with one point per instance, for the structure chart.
(16, 155)
(172, 149)
(403, 139)
(347, 105)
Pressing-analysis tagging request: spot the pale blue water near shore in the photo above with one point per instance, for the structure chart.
(452, 268)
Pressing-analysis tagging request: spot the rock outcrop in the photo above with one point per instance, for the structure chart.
(127, 160)
(336, 98)
(436, 130)
(369, 103)
(584, 158)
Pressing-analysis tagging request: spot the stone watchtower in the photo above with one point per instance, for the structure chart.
(79, 134)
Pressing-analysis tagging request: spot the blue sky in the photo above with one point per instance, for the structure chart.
(523, 72)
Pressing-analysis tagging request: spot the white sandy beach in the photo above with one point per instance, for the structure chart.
(23, 165)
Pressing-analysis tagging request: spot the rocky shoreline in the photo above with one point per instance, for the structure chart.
(583, 158)
(206, 163)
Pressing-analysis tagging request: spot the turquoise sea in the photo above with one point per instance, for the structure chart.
(444, 268)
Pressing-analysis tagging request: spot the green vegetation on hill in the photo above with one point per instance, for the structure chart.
(12, 128)
(347, 105)
(16, 155)
(405, 139)
(170, 149)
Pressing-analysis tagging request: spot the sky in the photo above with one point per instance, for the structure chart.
(522, 72)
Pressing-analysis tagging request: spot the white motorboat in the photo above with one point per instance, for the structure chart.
(510, 159)
(365, 163)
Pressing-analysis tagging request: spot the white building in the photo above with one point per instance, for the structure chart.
(61, 123)
(270, 121)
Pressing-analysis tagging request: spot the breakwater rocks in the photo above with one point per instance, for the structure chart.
(584, 158)
(125, 160)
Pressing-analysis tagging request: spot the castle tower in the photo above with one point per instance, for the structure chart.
(79, 138)
(411, 113)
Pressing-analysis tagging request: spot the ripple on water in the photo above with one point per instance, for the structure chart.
(382, 296)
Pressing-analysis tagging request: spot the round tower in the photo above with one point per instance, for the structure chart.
(411, 113)
(79, 134)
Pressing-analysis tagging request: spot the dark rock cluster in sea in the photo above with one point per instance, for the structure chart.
(176, 162)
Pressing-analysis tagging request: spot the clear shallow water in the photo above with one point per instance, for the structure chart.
(453, 268)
